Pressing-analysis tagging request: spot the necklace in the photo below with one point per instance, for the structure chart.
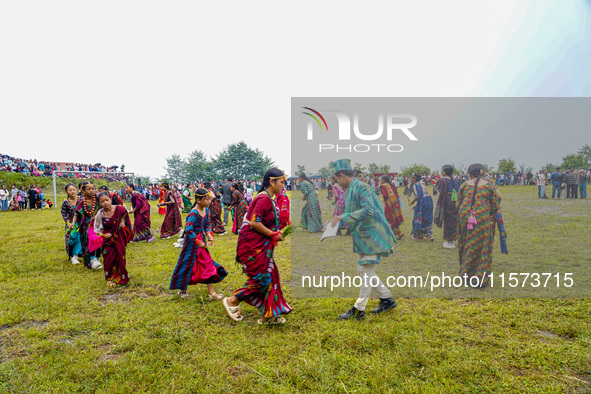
(274, 208)
(86, 211)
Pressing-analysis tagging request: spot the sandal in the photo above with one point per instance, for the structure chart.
(215, 297)
(233, 312)
(272, 321)
(183, 295)
(111, 284)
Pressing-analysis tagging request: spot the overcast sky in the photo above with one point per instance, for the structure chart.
(134, 82)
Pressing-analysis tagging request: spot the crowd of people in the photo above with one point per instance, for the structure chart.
(98, 226)
(468, 209)
(18, 199)
(571, 183)
(43, 168)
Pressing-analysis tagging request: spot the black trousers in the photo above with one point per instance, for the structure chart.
(572, 191)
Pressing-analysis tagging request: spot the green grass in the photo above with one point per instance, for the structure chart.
(63, 330)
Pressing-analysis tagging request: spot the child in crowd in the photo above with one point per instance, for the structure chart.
(195, 264)
(113, 224)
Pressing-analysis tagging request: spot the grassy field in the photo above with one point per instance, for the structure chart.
(63, 330)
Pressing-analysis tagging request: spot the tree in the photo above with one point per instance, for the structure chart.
(198, 167)
(239, 161)
(416, 168)
(373, 168)
(175, 169)
(506, 165)
(550, 167)
(358, 167)
(325, 172)
(487, 169)
(574, 160)
(144, 180)
(300, 169)
(586, 152)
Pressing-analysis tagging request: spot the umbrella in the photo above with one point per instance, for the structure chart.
(502, 233)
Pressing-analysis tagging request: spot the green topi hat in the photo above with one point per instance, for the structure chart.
(343, 164)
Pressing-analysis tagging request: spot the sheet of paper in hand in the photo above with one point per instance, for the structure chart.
(330, 231)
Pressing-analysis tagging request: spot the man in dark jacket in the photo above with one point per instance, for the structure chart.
(571, 186)
(556, 180)
(32, 197)
(227, 198)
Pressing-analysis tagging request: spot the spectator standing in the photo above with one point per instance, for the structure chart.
(4, 198)
(583, 180)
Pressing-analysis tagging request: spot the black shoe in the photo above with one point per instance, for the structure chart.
(348, 231)
(385, 304)
(353, 313)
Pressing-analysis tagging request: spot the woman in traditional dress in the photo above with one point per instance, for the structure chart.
(392, 209)
(258, 237)
(140, 207)
(339, 204)
(187, 199)
(478, 204)
(238, 207)
(113, 224)
(195, 264)
(422, 222)
(282, 202)
(68, 211)
(172, 223)
(161, 195)
(446, 211)
(84, 217)
(311, 214)
(215, 211)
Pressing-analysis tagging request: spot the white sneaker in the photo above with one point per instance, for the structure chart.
(449, 245)
(181, 233)
(75, 260)
(95, 264)
(224, 233)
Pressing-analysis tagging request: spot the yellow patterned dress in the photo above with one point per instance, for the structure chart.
(475, 246)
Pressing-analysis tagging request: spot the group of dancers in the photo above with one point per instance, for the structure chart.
(468, 212)
(99, 225)
(426, 212)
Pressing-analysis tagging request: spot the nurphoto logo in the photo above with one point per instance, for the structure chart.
(392, 124)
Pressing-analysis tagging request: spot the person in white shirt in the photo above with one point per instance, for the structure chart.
(542, 180)
(4, 198)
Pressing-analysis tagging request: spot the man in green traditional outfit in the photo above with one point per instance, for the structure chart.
(373, 238)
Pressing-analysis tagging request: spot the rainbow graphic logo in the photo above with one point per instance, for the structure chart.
(315, 118)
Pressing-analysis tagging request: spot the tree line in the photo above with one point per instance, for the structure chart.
(237, 161)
